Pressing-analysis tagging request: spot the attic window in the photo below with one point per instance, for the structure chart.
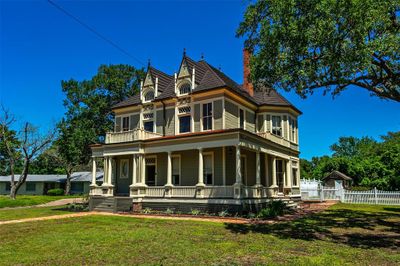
(184, 88)
(149, 96)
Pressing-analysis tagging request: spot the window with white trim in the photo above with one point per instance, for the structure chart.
(148, 122)
(241, 118)
(184, 119)
(185, 88)
(294, 177)
(292, 129)
(176, 170)
(125, 123)
(149, 96)
(208, 168)
(207, 116)
(276, 125)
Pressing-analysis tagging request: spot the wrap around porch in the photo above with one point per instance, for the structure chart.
(227, 172)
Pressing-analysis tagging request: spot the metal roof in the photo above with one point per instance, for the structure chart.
(75, 177)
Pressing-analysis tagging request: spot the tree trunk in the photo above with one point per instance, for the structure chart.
(13, 191)
(68, 184)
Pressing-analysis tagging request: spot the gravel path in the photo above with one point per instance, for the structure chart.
(60, 202)
(305, 209)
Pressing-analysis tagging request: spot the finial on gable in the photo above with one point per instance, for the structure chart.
(202, 57)
(148, 63)
(184, 52)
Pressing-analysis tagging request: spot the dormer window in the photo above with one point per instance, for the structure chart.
(149, 96)
(184, 88)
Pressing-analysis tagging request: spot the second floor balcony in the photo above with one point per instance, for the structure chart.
(131, 135)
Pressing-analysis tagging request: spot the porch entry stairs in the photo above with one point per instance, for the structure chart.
(111, 204)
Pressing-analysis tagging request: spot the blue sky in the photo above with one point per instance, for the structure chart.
(40, 46)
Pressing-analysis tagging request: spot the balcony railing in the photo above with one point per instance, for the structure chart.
(280, 140)
(132, 135)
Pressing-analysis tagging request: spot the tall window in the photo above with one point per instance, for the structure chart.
(276, 125)
(241, 118)
(292, 129)
(294, 177)
(184, 124)
(125, 123)
(149, 96)
(30, 186)
(8, 186)
(279, 175)
(176, 169)
(207, 116)
(149, 126)
(208, 169)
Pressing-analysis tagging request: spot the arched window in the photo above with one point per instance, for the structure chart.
(184, 88)
(149, 96)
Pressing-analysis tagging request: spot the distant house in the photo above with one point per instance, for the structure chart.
(336, 178)
(40, 184)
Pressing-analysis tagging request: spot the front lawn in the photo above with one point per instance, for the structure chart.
(25, 200)
(14, 214)
(344, 234)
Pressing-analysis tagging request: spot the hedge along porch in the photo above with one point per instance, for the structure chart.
(172, 172)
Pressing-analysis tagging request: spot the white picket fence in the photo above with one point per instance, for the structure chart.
(314, 190)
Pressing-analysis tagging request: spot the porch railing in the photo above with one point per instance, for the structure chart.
(183, 192)
(219, 192)
(131, 135)
(156, 192)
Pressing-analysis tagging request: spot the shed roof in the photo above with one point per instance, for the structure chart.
(75, 177)
(337, 175)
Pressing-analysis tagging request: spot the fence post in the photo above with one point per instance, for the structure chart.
(376, 195)
(342, 194)
(321, 192)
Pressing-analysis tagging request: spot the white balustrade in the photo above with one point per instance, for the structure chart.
(131, 135)
(156, 192)
(218, 192)
(184, 191)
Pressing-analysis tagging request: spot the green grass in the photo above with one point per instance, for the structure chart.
(14, 214)
(25, 200)
(344, 234)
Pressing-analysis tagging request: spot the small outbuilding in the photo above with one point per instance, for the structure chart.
(337, 179)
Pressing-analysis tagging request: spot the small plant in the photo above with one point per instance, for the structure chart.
(251, 215)
(55, 192)
(146, 211)
(74, 207)
(223, 213)
(195, 212)
(273, 209)
(169, 211)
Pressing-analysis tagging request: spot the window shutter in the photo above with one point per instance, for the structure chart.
(284, 127)
(117, 124)
(260, 123)
(131, 122)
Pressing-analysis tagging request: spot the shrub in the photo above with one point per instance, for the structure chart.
(360, 188)
(146, 211)
(75, 207)
(55, 192)
(169, 211)
(223, 213)
(273, 209)
(195, 212)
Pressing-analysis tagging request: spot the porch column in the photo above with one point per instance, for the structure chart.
(288, 174)
(143, 170)
(93, 171)
(109, 178)
(223, 166)
(134, 170)
(200, 181)
(258, 179)
(274, 171)
(169, 170)
(105, 170)
(238, 166)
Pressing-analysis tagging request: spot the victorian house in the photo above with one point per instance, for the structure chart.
(198, 140)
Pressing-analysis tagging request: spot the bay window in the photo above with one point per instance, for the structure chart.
(276, 125)
(207, 116)
(125, 123)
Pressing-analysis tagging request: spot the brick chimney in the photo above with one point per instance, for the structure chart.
(247, 85)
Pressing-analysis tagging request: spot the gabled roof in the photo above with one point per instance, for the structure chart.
(207, 77)
(337, 175)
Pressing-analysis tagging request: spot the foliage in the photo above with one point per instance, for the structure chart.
(77, 207)
(273, 209)
(89, 114)
(223, 213)
(306, 45)
(169, 211)
(370, 163)
(147, 211)
(195, 212)
(55, 192)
